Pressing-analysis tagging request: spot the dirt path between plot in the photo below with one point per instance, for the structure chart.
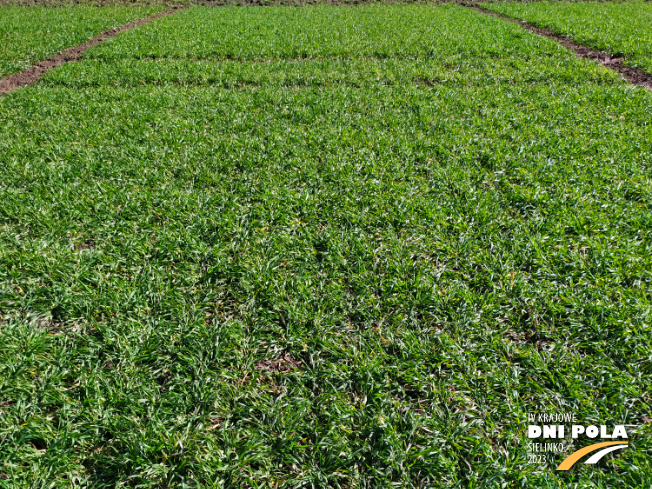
(614, 63)
(29, 76)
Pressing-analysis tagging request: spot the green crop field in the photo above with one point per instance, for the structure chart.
(619, 28)
(322, 247)
(31, 34)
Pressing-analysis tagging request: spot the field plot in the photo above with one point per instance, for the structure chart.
(322, 247)
(31, 34)
(619, 28)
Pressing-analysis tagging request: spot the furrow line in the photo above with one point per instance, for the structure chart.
(31, 75)
(614, 63)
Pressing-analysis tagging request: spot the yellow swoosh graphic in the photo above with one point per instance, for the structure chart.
(575, 456)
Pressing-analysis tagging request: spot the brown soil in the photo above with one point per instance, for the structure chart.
(87, 3)
(614, 63)
(303, 3)
(88, 244)
(211, 3)
(29, 76)
(535, 339)
(282, 364)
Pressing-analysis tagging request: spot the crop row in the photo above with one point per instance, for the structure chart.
(354, 262)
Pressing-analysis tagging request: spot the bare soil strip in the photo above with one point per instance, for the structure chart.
(29, 76)
(615, 63)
